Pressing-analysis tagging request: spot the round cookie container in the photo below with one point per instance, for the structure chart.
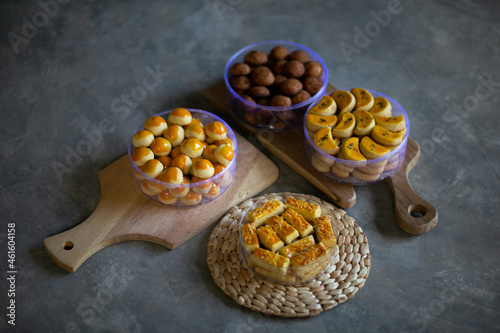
(274, 118)
(292, 274)
(358, 172)
(187, 194)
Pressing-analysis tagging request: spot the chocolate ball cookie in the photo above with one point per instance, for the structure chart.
(256, 58)
(302, 96)
(313, 68)
(239, 68)
(278, 79)
(280, 100)
(279, 52)
(290, 87)
(299, 56)
(259, 92)
(312, 85)
(240, 82)
(278, 67)
(240, 92)
(293, 68)
(261, 76)
(248, 98)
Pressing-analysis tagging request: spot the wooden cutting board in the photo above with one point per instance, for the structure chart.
(413, 213)
(124, 213)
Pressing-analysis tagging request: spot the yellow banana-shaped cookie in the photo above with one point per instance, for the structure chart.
(315, 122)
(345, 100)
(364, 100)
(345, 126)
(350, 150)
(325, 107)
(393, 124)
(386, 137)
(364, 122)
(381, 107)
(324, 140)
(372, 150)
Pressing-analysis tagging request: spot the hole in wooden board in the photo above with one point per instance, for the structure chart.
(417, 211)
(68, 245)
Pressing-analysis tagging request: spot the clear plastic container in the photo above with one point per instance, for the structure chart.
(291, 274)
(271, 118)
(365, 172)
(187, 195)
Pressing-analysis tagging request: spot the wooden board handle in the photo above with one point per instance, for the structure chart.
(413, 214)
(71, 248)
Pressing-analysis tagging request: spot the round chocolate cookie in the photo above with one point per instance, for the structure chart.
(293, 68)
(279, 52)
(312, 85)
(259, 92)
(256, 58)
(290, 87)
(261, 76)
(239, 68)
(240, 82)
(248, 98)
(280, 100)
(278, 67)
(299, 55)
(278, 79)
(313, 68)
(302, 96)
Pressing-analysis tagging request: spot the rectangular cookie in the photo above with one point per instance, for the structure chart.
(319, 266)
(297, 247)
(249, 236)
(308, 210)
(286, 232)
(298, 222)
(271, 258)
(269, 238)
(311, 255)
(324, 231)
(271, 264)
(264, 211)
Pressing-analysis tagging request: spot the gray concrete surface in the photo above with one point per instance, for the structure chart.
(64, 66)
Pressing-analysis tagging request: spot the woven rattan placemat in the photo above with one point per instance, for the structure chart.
(335, 286)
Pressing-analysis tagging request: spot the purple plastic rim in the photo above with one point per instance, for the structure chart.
(266, 46)
(398, 110)
(194, 112)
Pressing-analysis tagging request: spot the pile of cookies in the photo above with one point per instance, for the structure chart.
(180, 159)
(280, 78)
(289, 242)
(356, 127)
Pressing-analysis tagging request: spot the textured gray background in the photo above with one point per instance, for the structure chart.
(61, 83)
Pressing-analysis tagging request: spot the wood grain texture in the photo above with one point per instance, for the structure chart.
(406, 200)
(288, 146)
(124, 213)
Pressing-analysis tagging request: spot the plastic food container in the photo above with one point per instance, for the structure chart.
(192, 194)
(269, 117)
(364, 172)
(291, 274)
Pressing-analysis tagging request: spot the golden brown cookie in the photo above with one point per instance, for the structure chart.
(312, 84)
(256, 58)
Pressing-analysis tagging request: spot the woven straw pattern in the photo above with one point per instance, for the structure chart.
(335, 286)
